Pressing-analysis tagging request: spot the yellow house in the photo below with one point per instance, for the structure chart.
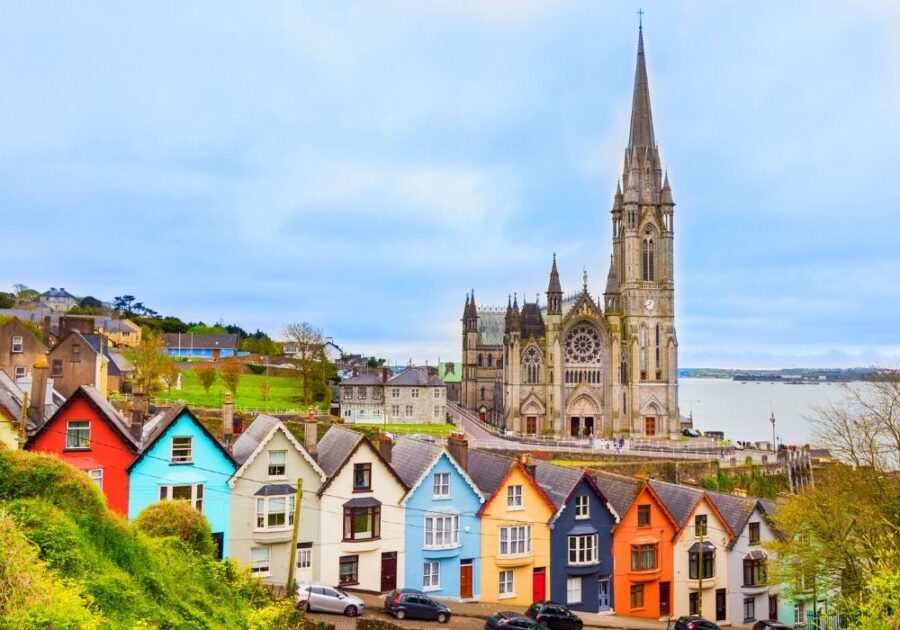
(515, 540)
(122, 332)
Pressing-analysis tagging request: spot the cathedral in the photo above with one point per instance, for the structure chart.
(580, 365)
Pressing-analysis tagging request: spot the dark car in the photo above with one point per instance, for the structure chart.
(510, 620)
(693, 622)
(769, 624)
(408, 602)
(554, 616)
(690, 433)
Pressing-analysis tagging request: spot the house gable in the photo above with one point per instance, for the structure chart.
(277, 429)
(442, 454)
(515, 473)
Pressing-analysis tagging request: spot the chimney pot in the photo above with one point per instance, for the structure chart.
(137, 414)
(38, 398)
(384, 447)
(310, 432)
(458, 447)
(228, 418)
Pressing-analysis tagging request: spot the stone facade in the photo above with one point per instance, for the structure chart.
(581, 364)
(362, 399)
(413, 396)
(19, 347)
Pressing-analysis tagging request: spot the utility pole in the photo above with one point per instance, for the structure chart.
(23, 421)
(294, 535)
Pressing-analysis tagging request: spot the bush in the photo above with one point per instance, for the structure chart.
(179, 520)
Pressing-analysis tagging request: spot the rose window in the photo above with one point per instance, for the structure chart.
(583, 345)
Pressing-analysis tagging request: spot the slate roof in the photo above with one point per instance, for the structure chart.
(118, 364)
(334, 447)
(158, 424)
(491, 327)
(250, 439)
(679, 500)
(410, 458)
(487, 470)
(619, 491)
(191, 340)
(103, 407)
(414, 377)
(58, 293)
(734, 509)
(557, 482)
(11, 399)
(362, 379)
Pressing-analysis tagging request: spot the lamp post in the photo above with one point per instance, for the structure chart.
(774, 444)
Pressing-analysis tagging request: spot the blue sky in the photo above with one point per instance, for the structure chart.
(362, 165)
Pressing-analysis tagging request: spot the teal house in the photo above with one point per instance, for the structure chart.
(180, 460)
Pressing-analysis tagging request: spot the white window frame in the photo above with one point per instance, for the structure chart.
(96, 475)
(431, 576)
(800, 612)
(573, 590)
(582, 507)
(409, 411)
(71, 433)
(514, 498)
(584, 548)
(414, 393)
(260, 565)
(20, 372)
(395, 392)
(17, 340)
(395, 411)
(304, 557)
(166, 493)
(514, 541)
(264, 512)
(507, 583)
(183, 459)
(441, 487)
(271, 465)
(437, 392)
(441, 531)
(437, 411)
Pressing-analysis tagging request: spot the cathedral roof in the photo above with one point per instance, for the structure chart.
(532, 321)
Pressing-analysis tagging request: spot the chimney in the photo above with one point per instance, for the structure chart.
(228, 419)
(47, 330)
(528, 463)
(310, 432)
(458, 446)
(384, 374)
(37, 406)
(384, 447)
(138, 409)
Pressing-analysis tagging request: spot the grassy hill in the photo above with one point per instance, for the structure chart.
(284, 393)
(67, 562)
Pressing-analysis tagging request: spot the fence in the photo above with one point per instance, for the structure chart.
(821, 620)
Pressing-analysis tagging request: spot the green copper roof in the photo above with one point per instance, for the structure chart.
(450, 372)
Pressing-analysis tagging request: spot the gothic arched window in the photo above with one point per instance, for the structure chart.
(531, 362)
(480, 360)
(642, 341)
(482, 393)
(490, 360)
(657, 362)
(648, 255)
(623, 370)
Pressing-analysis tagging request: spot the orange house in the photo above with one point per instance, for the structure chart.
(643, 553)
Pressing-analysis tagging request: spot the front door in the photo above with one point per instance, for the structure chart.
(664, 599)
(539, 585)
(574, 426)
(773, 607)
(721, 611)
(588, 427)
(603, 590)
(531, 425)
(388, 571)
(465, 579)
(649, 426)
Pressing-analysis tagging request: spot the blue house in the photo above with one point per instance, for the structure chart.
(443, 531)
(581, 560)
(181, 460)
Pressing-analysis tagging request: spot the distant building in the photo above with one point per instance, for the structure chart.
(195, 346)
(58, 300)
(362, 399)
(415, 396)
(451, 373)
(19, 347)
(76, 361)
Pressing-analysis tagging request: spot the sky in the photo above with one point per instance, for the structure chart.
(361, 166)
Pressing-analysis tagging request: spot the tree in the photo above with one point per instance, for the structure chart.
(7, 300)
(311, 359)
(181, 520)
(206, 374)
(173, 325)
(170, 374)
(150, 361)
(25, 295)
(232, 369)
(90, 302)
(122, 304)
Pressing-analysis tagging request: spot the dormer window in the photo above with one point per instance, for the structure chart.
(514, 498)
(582, 507)
(277, 463)
(182, 450)
(362, 477)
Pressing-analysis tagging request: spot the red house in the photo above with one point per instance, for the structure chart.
(89, 433)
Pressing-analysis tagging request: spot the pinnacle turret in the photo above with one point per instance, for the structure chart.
(554, 291)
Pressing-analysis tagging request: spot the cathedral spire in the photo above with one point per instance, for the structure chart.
(554, 291)
(641, 133)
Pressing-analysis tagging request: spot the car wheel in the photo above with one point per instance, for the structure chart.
(443, 618)
(350, 611)
(401, 614)
(545, 625)
(579, 626)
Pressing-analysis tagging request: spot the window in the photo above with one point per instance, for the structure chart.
(182, 450)
(658, 361)
(18, 343)
(437, 392)
(277, 463)
(20, 372)
(348, 413)
(415, 392)
(304, 555)
(194, 494)
(361, 393)
(441, 485)
(582, 507)
(395, 410)
(362, 523)
(700, 525)
(515, 541)
(799, 613)
(480, 360)
(648, 257)
(96, 476)
(409, 411)
(514, 497)
(749, 608)
(78, 434)
(441, 532)
(348, 393)
(57, 367)
(76, 353)
(376, 393)
(642, 342)
(275, 512)
(643, 557)
(754, 533)
(637, 595)
(259, 560)
(573, 590)
(395, 392)
(583, 549)
(693, 603)
(507, 584)
(709, 564)
(362, 477)
(349, 570)
(431, 576)
(437, 411)
(643, 516)
(755, 572)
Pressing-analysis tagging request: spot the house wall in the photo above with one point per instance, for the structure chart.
(31, 347)
(210, 467)
(601, 521)
(9, 431)
(463, 501)
(717, 535)
(108, 451)
(243, 532)
(387, 489)
(627, 533)
(495, 515)
(201, 353)
(736, 589)
(366, 409)
(423, 406)
(85, 371)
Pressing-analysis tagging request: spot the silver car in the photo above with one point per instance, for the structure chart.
(311, 597)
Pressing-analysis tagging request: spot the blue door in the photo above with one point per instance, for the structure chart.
(603, 591)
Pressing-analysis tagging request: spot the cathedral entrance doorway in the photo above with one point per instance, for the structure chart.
(531, 425)
(650, 426)
(588, 427)
(574, 426)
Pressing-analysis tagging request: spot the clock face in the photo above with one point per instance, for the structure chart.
(649, 304)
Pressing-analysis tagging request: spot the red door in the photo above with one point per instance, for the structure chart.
(465, 579)
(539, 585)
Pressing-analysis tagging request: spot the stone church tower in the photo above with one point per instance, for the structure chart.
(578, 366)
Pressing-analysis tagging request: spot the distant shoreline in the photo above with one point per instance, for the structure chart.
(789, 376)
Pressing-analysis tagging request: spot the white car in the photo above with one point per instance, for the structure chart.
(312, 597)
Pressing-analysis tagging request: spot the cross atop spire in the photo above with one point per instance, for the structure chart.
(641, 133)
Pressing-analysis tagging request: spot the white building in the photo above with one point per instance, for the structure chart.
(362, 399)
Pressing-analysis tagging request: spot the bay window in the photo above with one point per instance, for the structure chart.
(583, 549)
(708, 562)
(515, 541)
(275, 512)
(441, 531)
(191, 493)
(362, 519)
(755, 571)
(643, 557)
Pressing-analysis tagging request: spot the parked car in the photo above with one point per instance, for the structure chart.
(690, 433)
(325, 598)
(511, 620)
(769, 624)
(421, 437)
(693, 622)
(554, 616)
(408, 602)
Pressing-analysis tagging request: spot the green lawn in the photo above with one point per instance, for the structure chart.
(284, 393)
(429, 429)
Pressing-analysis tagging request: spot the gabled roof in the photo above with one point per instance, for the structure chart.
(413, 377)
(12, 397)
(255, 438)
(559, 482)
(737, 511)
(338, 450)
(104, 409)
(682, 502)
(159, 424)
(620, 491)
(118, 364)
(58, 293)
(362, 379)
(534, 484)
(488, 470)
(414, 459)
(79, 337)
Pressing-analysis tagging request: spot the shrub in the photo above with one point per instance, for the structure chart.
(180, 520)
(206, 374)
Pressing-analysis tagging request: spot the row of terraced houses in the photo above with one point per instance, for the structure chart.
(456, 522)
